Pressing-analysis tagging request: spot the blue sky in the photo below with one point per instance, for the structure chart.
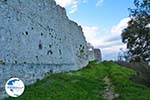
(102, 22)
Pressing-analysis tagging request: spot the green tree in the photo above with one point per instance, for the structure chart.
(137, 33)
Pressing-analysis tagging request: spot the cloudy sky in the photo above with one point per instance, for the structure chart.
(102, 22)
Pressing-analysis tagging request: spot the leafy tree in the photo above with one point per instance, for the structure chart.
(137, 34)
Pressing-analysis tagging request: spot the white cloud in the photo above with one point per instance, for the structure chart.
(71, 4)
(117, 29)
(112, 46)
(64, 3)
(115, 48)
(111, 53)
(99, 2)
(90, 30)
(97, 43)
(102, 38)
(109, 41)
(74, 6)
(94, 35)
(91, 33)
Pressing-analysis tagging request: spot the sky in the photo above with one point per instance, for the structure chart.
(102, 22)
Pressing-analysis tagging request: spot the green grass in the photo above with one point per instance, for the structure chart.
(127, 89)
(86, 84)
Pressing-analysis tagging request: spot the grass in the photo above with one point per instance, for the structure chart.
(86, 84)
(127, 89)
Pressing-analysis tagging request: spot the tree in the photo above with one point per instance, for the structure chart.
(137, 33)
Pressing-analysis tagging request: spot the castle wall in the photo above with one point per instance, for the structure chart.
(97, 54)
(37, 38)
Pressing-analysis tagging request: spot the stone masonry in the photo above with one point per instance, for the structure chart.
(36, 39)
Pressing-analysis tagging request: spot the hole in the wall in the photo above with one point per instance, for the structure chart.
(41, 34)
(36, 57)
(2, 62)
(24, 62)
(15, 62)
(49, 52)
(50, 45)
(32, 28)
(40, 45)
(81, 49)
(60, 51)
(26, 33)
(52, 29)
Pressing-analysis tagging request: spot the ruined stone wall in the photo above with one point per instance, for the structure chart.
(97, 54)
(94, 53)
(36, 39)
(91, 55)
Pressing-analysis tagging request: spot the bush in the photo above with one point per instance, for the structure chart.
(143, 71)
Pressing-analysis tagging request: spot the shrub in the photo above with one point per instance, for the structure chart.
(143, 71)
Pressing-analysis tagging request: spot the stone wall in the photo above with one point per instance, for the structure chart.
(36, 39)
(94, 53)
(90, 52)
(29, 73)
(97, 54)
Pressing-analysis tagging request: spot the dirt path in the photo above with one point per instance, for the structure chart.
(109, 93)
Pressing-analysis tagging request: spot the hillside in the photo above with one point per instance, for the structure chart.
(89, 83)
